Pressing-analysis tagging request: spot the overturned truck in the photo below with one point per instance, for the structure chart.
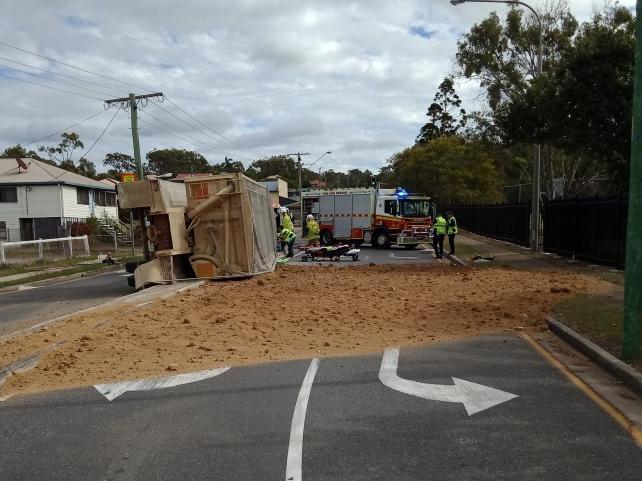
(207, 227)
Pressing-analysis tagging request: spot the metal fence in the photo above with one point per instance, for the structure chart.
(508, 222)
(25, 252)
(589, 228)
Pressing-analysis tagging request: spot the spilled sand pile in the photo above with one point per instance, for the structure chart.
(295, 312)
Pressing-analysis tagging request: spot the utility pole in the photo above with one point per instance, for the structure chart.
(133, 109)
(633, 268)
(299, 167)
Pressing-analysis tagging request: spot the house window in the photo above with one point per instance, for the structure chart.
(105, 198)
(82, 195)
(8, 194)
(3, 230)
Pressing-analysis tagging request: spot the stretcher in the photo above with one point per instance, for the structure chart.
(333, 253)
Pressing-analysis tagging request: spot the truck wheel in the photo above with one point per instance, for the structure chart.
(410, 246)
(380, 240)
(130, 267)
(326, 237)
(131, 281)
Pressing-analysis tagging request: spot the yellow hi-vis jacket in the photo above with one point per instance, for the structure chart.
(313, 230)
(286, 222)
(452, 225)
(286, 235)
(440, 225)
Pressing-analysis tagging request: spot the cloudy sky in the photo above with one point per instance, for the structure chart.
(262, 77)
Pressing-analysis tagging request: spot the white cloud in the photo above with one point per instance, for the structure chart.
(272, 76)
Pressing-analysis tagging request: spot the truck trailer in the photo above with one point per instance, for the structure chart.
(377, 216)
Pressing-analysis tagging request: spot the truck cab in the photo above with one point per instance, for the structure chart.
(401, 218)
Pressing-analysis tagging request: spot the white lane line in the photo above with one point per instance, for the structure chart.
(295, 450)
(475, 397)
(112, 390)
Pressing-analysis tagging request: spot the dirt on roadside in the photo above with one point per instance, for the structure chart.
(295, 312)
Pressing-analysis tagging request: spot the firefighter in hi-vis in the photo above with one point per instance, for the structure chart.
(313, 231)
(439, 227)
(451, 231)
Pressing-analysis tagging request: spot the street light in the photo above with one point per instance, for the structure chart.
(301, 183)
(537, 147)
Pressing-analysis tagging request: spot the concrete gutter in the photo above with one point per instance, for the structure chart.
(455, 260)
(610, 363)
(58, 279)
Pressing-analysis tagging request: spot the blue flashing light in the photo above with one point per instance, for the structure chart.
(401, 193)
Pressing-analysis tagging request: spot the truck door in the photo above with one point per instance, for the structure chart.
(343, 216)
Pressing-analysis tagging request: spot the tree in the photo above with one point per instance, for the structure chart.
(176, 161)
(442, 121)
(282, 165)
(449, 169)
(20, 152)
(228, 165)
(503, 57)
(65, 149)
(119, 163)
(582, 107)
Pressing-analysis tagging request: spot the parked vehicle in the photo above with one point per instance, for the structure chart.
(376, 216)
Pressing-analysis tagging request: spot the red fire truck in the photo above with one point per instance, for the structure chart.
(377, 216)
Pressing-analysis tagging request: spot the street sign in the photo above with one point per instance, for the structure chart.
(128, 177)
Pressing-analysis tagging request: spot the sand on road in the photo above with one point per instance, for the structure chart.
(295, 312)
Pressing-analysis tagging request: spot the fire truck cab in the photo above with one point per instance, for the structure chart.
(377, 216)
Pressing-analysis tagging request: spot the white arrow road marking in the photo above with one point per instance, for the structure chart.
(475, 397)
(112, 390)
(295, 450)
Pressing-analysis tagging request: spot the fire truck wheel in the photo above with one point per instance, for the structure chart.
(410, 246)
(380, 240)
(326, 237)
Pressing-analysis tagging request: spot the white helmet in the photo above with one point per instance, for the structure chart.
(310, 217)
(284, 210)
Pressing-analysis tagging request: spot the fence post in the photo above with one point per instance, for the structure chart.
(618, 214)
(594, 233)
(40, 252)
(2, 259)
(86, 243)
(115, 241)
(71, 248)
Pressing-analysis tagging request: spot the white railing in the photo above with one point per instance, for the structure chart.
(25, 251)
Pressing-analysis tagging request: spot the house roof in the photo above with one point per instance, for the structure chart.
(271, 178)
(39, 172)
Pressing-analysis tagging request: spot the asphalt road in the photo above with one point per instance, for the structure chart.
(48, 302)
(243, 424)
(393, 255)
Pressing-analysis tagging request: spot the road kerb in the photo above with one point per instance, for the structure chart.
(610, 363)
(615, 413)
(59, 279)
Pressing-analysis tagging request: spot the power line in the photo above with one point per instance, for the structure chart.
(49, 87)
(73, 66)
(231, 142)
(54, 80)
(65, 129)
(194, 139)
(101, 134)
(218, 147)
(168, 132)
(78, 79)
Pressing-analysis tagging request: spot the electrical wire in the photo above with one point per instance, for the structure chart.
(49, 87)
(168, 132)
(58, 74)
(54, 80)
(238, 147)
(216, 148)
(74, 67)
(101, 134)
(65, 129)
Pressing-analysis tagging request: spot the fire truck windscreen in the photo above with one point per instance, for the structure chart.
(414, 208)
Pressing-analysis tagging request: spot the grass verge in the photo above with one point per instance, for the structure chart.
(57, 273)
(597, 317)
